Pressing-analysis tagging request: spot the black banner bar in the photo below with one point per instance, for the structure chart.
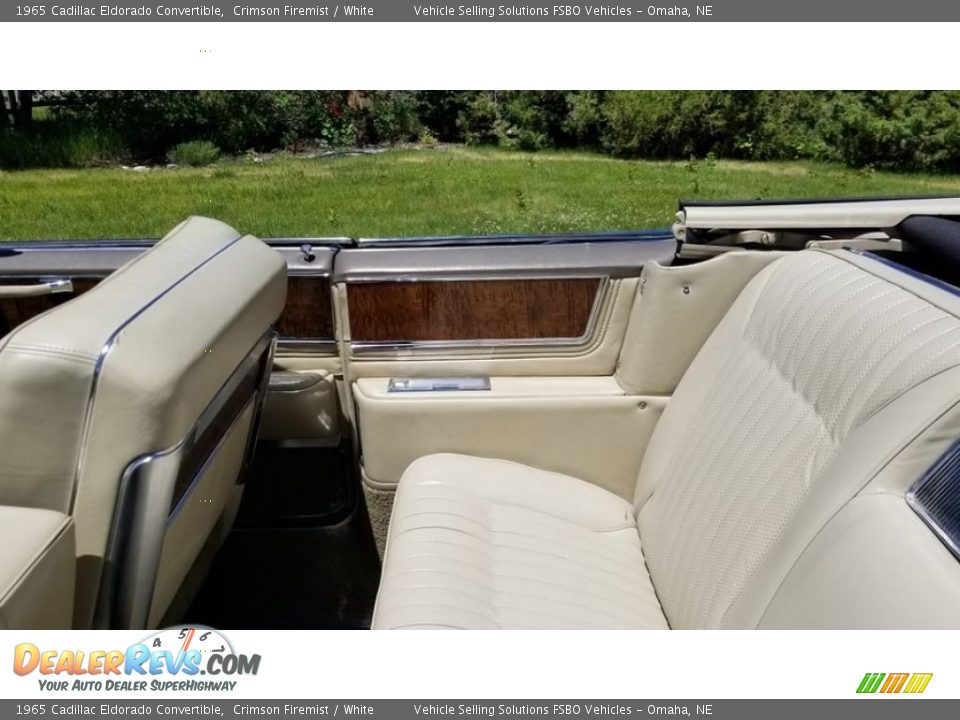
(866, 708)
(518, 11)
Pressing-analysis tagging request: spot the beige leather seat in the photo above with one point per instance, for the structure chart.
(131, 407)
(772, 494)
(36, 569)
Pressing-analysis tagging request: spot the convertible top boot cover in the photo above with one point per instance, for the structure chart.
(829, 387)
(125, 370)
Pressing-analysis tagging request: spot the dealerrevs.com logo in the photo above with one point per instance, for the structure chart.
(173, 659)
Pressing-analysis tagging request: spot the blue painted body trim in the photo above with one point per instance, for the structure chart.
(341, 242)
(929, 279)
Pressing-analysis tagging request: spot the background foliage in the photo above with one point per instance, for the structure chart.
(897, 130)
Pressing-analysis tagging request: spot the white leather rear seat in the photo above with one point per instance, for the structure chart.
(832, 377)
(486, 543)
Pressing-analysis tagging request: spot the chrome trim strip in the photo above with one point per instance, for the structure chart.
(108, 346)
(28, 261)
(386, 349)
(475, 383)
(258, 400)
(286, 381)
(589, 259)
(98, 262)
(61, 286)
(142, 511)
(298, 266)
(136, 540)
(645, 235)
(292, 346)
(938, 492)
(44, 287)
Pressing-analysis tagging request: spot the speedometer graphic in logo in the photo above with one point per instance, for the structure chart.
(182, 639)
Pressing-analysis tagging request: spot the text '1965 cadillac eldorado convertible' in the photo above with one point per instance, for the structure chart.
(750, 420)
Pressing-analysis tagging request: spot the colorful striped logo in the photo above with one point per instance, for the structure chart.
(894, 683)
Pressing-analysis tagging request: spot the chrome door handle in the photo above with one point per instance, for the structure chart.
(45, 288)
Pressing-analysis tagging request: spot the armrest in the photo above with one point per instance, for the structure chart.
(587, 427)
(37, 568)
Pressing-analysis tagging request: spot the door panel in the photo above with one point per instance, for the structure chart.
(593, 353)
(308, 315)
(544, 322)
(17, 310)
(547, 309)
(587, 427)
(464, 310)
(305, 326)
(544, 318)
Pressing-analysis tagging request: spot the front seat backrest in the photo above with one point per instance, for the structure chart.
(827, 371)
(149, 371)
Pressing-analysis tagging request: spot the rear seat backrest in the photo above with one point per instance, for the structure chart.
(816, 380)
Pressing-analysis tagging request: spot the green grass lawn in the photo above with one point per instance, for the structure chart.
(447, 190)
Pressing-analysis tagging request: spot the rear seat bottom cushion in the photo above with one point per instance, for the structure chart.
(480, 543)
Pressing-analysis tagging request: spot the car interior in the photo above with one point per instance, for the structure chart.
(748, 420)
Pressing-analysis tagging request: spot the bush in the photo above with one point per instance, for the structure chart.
(57, 143)
(671, 124)
(153, 122)
(426, 137)
(791, 125)
(531, 120)
(395, 117)
(440, 111)
(583, 123)
(195, 153)
(479, 121)
(905, 130)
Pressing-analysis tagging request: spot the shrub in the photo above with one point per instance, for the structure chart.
(58, 143)
(152, 122)
(426, 137)
(905, 130)
(791, 125)
(671, 124)
(441, 111)
(531, 120)
(479, 120)
(395, 117)
(583, 123)
(195, 153)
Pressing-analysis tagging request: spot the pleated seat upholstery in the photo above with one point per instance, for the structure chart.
(789, 449)
(485, 543)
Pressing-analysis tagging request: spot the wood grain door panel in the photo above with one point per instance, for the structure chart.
(16, 311)
(535, 309)
(308, 314)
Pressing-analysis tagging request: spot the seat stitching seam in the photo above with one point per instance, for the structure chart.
(461, 531)
(492, 601)
(503, 561)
